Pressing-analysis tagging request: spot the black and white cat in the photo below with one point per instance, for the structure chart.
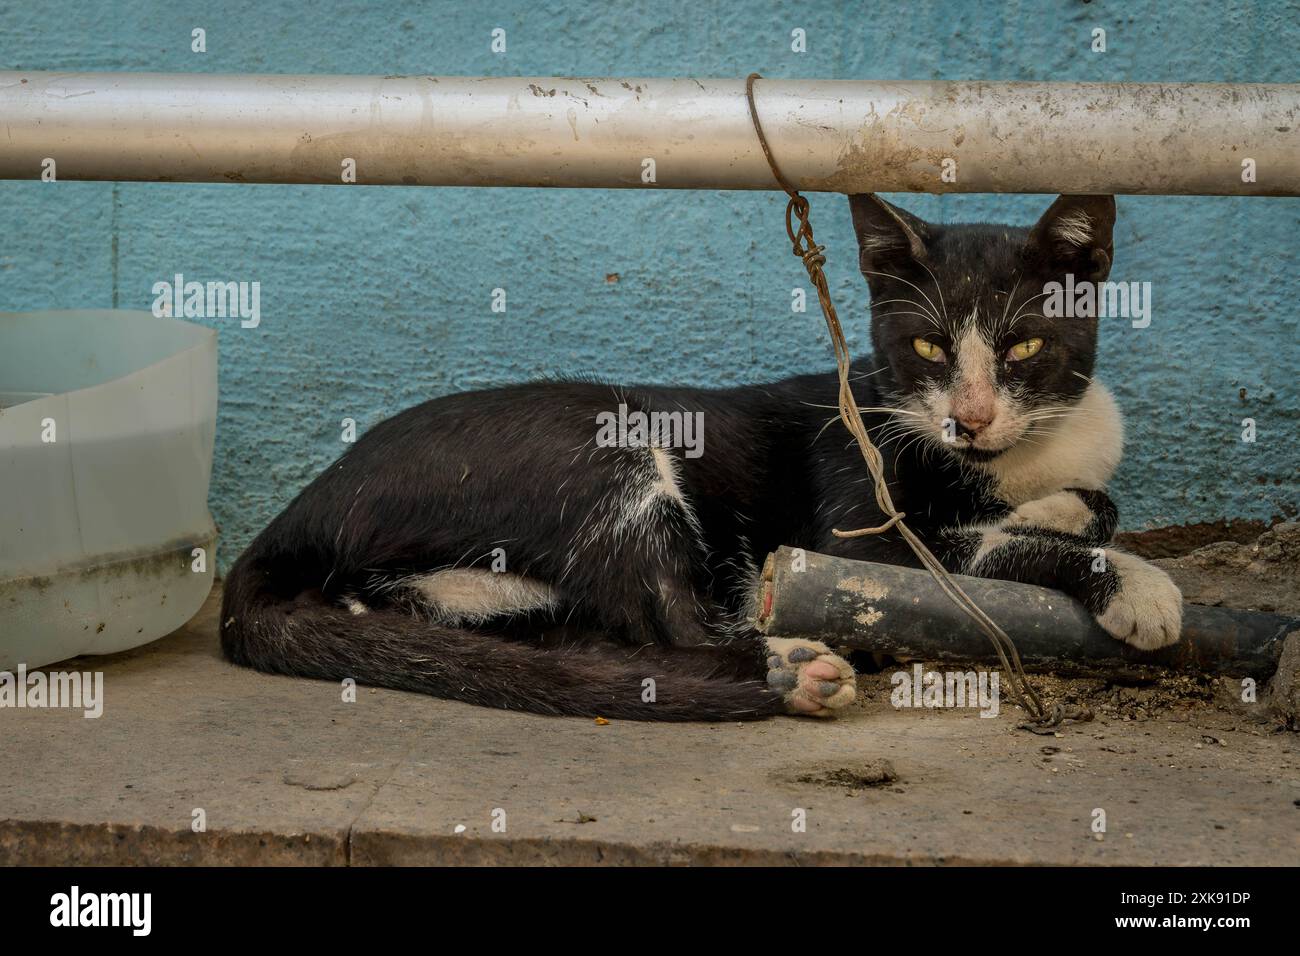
(487, 547)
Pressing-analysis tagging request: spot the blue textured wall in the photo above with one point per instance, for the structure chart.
(367, 307)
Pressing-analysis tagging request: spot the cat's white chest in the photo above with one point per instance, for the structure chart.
(1082, 451)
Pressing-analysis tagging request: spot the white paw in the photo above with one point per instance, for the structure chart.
(815, 682)
(1147, 610)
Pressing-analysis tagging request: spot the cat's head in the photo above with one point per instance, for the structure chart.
(957, 314)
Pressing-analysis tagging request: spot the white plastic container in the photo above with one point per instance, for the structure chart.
(107, 421)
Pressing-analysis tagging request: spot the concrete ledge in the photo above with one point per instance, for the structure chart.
(51, 843)
(286, 772)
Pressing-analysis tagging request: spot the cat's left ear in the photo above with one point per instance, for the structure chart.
(1074, 236)
(888, 237)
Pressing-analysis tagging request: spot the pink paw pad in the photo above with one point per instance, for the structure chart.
(814, 681)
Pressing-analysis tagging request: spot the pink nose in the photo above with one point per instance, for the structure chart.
(974, 407)
(972, 425)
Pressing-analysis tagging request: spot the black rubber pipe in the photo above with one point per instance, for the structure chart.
(901, 612)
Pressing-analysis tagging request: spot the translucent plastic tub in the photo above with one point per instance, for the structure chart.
(107, 421)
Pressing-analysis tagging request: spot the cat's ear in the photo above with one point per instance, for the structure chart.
(886, 235)
(1074, 236)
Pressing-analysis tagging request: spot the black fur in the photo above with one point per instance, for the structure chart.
(446, 483)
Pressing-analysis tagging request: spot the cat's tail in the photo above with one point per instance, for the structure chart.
(308, 637)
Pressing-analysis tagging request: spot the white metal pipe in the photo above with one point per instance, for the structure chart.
(839, 135)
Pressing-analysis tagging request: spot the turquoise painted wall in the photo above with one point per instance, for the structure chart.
(367, 306)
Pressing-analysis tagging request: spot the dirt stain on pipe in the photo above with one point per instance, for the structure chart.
(863, 587)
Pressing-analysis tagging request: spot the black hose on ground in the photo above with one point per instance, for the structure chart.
(899, 611)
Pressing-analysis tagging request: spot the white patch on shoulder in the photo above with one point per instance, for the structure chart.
(642, 492)
(472, 595)
(1080, 450)
(355, 607)
(666, 466)
(639, 510)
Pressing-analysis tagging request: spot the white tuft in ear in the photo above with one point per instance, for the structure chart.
(1075, 227)
(1074, 236)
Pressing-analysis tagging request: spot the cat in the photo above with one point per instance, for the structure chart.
(489, 547)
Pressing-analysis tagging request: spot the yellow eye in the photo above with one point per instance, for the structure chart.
(927, 350)
(1023, 350)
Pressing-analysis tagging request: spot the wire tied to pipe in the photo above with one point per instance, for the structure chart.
(806, 248)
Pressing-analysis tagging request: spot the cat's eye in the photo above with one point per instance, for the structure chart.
(1023, 350)
(927, 350)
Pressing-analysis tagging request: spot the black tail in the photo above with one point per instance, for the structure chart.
(308, 637)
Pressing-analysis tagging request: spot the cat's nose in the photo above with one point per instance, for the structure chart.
(970, 426)
(974, 406)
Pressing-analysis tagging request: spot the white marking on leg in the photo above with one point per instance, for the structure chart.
(472, 595)
(1063, 511)
(990, 539)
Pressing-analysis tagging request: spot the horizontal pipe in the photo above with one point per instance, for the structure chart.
(831, 135)
(901, 612)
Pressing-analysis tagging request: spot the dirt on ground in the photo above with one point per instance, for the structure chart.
(1263, 575)
(870, 773)
(1172, 696)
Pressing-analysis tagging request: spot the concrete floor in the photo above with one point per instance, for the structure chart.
(286, 772)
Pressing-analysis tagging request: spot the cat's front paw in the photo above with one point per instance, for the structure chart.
(1146, 608)
(814, 682)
